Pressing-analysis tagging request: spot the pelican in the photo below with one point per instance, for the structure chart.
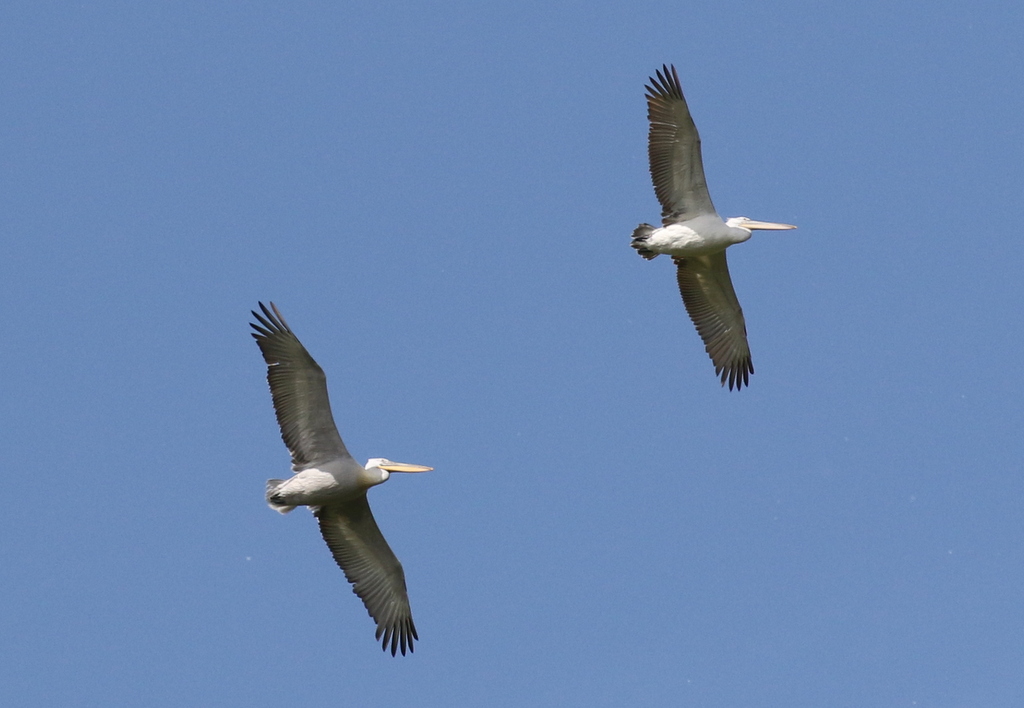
(331, 483)
(693, 233)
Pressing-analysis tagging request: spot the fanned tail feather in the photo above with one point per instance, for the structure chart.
(640, 235)
(273, 499)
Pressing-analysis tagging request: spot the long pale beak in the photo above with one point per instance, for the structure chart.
(403, 467)
(766, 225)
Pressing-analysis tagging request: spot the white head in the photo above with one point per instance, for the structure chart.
(742, 222)
(380, 468)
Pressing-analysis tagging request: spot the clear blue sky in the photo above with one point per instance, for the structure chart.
(439, 198)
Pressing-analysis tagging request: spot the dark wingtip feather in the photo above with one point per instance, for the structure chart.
(273, 322)
(399, 636)
(737, 374)
(665, 83)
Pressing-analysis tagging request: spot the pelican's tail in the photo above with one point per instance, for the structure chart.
(640, 236)
(274, 499)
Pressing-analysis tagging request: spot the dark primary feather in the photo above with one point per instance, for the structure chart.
(299, 390)
(711, 302)
(369, 564)
(673, 147)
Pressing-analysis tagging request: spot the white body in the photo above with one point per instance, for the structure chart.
(329, 483)
(700, 236)
(312, 487)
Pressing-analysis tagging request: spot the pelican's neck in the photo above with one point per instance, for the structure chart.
(372, 475)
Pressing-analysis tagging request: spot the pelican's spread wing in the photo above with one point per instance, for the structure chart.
(371, 567)
(673, 147)
(299, 389)
(711, 302)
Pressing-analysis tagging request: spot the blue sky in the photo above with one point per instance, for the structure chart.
(439, 198)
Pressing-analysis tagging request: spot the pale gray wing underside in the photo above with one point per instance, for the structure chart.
(299, 390)
(369, 564)
(711, 302)
(673, 147)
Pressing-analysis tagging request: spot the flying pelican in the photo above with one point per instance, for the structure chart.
(693, 233)
(331, 483)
